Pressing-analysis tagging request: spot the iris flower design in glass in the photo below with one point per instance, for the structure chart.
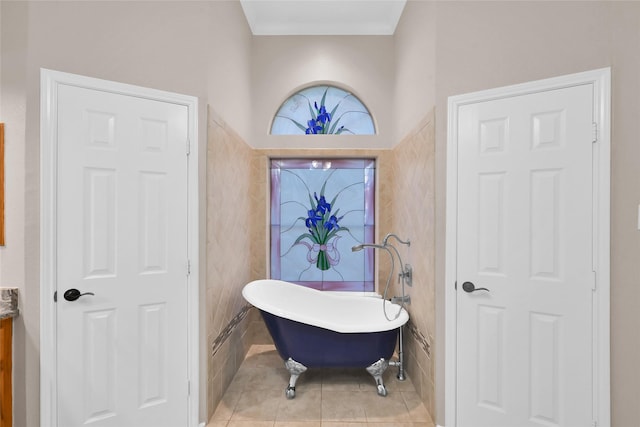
(319, 210)
(323, 110)
(323, 227)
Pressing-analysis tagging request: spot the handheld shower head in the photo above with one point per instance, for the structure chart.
(361, 246)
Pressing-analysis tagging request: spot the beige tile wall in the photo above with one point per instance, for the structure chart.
(238, 236)
(229, 250)
(413, 210)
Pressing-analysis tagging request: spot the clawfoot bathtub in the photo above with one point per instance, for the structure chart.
(312, 329)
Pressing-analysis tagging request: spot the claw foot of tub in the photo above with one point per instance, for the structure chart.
(376, 370)
(295, 369)
(382, 390)
(290, 392)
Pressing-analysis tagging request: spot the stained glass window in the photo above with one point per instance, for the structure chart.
(323, 110)
(320, 209)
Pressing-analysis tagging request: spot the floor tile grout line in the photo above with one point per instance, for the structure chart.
(324, 393)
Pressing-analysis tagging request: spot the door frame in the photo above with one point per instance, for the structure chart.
(50, 82)
(600, 79)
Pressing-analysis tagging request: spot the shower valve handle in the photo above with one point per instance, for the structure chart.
(407, 275)
(470, 287)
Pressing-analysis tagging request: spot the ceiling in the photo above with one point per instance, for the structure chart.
(322, 17)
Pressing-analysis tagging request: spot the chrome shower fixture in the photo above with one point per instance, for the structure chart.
(406, 271)
(405, 277)
(407, 274)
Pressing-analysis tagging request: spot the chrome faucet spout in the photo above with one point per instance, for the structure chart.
(406, 299)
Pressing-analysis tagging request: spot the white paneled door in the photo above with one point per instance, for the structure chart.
(525, 255)
(122, 320)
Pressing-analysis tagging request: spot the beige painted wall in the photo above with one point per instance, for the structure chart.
(228, 52)
(415, 68)
(480, 45)
(362, 64)
(165, 45)
(625, 198)
(12, 256)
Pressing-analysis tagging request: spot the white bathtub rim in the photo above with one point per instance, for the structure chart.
(368, 294)
(339, 313)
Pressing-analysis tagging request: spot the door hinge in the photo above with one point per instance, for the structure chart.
(55, 296)
(593, 280)
(188, 147)
(595, 133)
(188, 267)
(188, 387)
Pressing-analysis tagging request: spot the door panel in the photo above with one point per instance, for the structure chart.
(545, 364)
(122, 235)
(491, 357)
(99, 362)
(491, 233)
(525, 233)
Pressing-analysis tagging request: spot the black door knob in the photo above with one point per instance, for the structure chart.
(74, 294)
(470, 287)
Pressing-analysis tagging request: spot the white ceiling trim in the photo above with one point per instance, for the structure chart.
(322, 17)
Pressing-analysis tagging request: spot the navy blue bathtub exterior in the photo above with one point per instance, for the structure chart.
(317, 347)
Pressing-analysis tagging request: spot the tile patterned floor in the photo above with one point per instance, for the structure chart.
(324, 398)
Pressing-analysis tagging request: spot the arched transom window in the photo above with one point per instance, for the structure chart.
(323, 110)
